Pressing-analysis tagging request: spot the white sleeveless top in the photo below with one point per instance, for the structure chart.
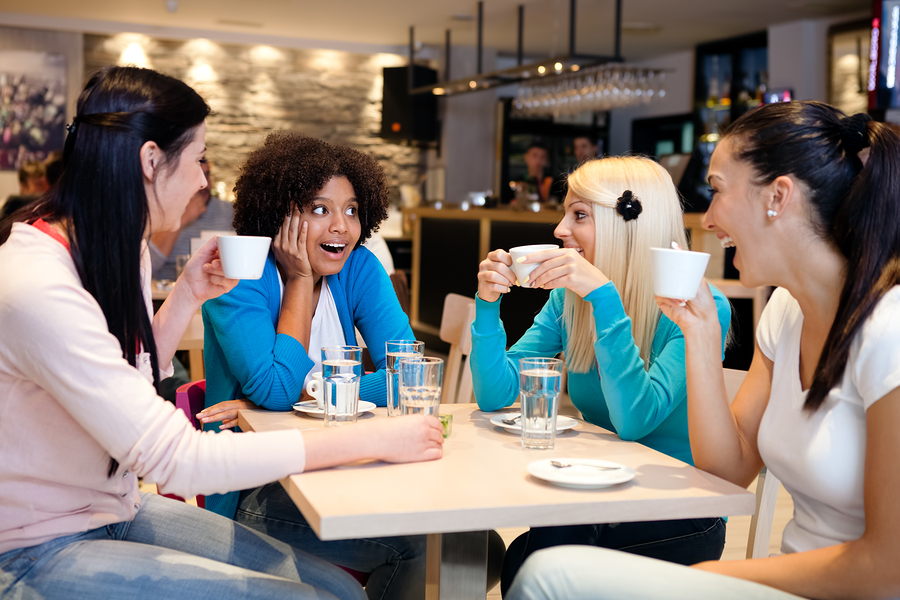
(325, 329)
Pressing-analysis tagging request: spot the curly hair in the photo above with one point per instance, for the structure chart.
(289, 169)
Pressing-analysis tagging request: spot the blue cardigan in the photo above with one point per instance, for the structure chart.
(617, 393)
(245, 357)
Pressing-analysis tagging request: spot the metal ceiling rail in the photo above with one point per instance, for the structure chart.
(559, 65)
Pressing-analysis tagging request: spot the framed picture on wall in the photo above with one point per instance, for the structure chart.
(848, 65)
(32, 106)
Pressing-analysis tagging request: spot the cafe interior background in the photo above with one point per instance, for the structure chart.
(680, 72)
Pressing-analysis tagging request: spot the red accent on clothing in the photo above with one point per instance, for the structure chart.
(44, 226)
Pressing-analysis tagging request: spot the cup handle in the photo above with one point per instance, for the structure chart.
(312, 388)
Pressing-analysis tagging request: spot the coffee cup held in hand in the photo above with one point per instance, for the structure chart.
(243, 256)
(677, 273)
(523, 270)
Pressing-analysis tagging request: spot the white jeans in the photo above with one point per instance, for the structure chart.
(582, 572)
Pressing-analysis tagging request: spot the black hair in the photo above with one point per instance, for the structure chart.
(538, 144)
(290, 168)
(100, 196)
(854, 205)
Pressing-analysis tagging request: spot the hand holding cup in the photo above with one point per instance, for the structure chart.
(495, 275)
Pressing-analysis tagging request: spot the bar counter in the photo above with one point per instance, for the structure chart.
(448, 245)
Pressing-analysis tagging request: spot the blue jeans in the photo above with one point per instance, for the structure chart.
(170, 550)
(582, 573)
(685, 541)
(396, 564)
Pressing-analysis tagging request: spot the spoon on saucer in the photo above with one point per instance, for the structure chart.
(511, 421)
(563, 465)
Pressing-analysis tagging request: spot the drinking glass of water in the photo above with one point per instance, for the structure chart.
(341, 370)
(539, 381)
(420, 385)
(394, 350)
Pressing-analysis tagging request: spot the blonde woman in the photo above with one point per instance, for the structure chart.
(625, 359)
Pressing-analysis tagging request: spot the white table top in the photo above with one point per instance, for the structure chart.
(482, 483)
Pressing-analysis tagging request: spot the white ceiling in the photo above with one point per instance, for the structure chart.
(674, 24)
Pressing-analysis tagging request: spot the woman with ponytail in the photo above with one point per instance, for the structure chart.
(80, 354)
(625, 360)
(808, 197)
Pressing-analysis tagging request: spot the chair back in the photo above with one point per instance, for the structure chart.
(456, 330)
(766, 487)
(190, 398)
(401, 288)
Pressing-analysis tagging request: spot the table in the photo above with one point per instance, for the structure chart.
(481, 483)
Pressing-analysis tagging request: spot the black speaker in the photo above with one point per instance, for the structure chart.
(405, 116)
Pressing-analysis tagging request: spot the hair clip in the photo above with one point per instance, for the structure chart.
(629, 206)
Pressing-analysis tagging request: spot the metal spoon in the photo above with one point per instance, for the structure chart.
(511, 421)
(562, 465)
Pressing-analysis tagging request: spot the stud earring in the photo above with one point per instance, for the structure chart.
(771, 213)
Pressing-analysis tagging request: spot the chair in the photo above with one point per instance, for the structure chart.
(401, 288)
(766, 488)
(456, 330)
(189, 398)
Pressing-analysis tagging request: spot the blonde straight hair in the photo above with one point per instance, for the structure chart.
(622, 248)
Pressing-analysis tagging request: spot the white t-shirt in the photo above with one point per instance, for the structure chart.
(325, 329)
(820, 456)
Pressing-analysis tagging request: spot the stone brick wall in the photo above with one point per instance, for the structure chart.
(253, 90)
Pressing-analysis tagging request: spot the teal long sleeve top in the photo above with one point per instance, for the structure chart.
(245, 356)
(618, 393)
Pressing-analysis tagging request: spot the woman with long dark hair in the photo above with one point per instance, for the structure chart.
(79, 357)
(808, 197)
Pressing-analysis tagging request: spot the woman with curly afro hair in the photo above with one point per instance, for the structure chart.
(318, 203)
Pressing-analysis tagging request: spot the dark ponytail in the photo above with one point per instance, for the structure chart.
(100, 196)
(855, 205)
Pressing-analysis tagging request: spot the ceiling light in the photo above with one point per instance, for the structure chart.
(542, 69)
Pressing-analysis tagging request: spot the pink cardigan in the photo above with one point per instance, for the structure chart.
(69, 401)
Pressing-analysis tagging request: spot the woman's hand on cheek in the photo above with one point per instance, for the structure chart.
(565, 268)
(203, 273)
(289, 247)
(495, 276)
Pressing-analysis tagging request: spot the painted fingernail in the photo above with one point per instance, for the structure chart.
(508, 289)
(521, 259)
(527, 277)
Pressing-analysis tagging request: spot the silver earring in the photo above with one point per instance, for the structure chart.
(771, 213)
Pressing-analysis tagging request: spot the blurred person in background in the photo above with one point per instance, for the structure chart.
(205, 212)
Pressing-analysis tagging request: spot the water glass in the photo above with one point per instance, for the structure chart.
(394, 350)
(341, 370)
(539, 381)
(420, 385)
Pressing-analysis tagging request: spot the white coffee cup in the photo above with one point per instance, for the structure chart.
(677, 273)
(315, 389)
(243, 256)
(523, 270)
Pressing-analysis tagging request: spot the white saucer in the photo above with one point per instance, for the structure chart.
(580, 475)
(310, 409)
(563, 423)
